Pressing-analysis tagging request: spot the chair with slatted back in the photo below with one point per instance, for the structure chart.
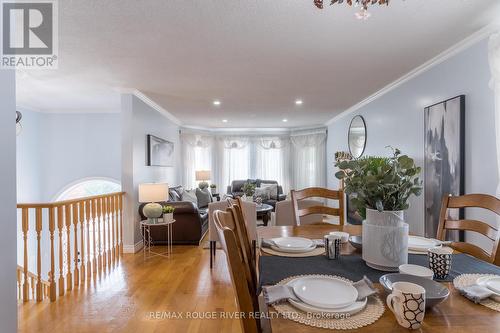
(318, 192)
(246, 297)
(466, 201)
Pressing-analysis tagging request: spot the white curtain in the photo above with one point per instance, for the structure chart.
(494, 59)
(309, 159)
(272, 160)
(234, 153)
(295, 161)
(197, 153)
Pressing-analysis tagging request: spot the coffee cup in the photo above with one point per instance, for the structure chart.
(407, 302)
(440, 261)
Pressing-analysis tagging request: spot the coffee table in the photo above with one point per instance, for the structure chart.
(264, 212)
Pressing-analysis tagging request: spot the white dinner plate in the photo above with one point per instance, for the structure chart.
(350, 310)
(483, 281)
(421, 244)
(325, 292)
(293, 250)
(293, 242)
(493, 284)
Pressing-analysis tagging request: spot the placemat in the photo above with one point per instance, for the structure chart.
(274, 269)
(371, 313)
(316, 252)
(465, 280)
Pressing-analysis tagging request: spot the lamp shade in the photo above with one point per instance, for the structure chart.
(203, 175)
(153, 192)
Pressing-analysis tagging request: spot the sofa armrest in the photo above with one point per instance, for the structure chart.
(281, 197)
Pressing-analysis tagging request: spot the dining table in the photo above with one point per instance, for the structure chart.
(455, 314)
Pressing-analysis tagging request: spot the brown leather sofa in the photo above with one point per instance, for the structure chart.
(191, 223)
(235, 189)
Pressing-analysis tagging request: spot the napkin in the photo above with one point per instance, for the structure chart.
(476, 293)
(365, 288)
(270, 242)
(280, 293)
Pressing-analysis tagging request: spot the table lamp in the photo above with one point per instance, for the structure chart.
(152, 193)
(202, 176)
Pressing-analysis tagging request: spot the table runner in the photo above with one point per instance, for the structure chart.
(274, 269)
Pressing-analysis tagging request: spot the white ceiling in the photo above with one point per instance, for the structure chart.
(257, 57)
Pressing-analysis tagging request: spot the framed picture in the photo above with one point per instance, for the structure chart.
(443, 159)
(160, 152)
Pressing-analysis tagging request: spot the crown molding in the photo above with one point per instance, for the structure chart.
(443, 56)
(143, 97)
(250, 130)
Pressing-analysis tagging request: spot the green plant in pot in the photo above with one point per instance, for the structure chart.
(203, 185)
(381, 188)
(168, 213)
(249, 190)
(213, 188)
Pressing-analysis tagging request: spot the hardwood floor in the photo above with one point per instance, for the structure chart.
(138, 295)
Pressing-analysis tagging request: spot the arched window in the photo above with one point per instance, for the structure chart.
(89, 187)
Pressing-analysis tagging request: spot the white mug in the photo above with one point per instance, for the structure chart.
(407, 302)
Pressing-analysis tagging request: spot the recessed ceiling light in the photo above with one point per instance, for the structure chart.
(216, 102)
(298, 102)
(285, 120)
(224, 120)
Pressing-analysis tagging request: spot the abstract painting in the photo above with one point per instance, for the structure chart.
(443, 159)
(160, 151)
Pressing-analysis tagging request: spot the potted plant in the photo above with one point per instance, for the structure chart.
(248, 190)
(203, 185)
(168, 213)
(213, 188)
(381, 188)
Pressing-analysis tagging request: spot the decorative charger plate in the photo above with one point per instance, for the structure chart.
(465, 280)
(371, 313)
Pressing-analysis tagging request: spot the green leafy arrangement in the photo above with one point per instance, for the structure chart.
(213, 186)
(382, 183)
(168, 209)
(248, 189)
(203, 185)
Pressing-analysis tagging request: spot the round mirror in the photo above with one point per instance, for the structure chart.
(357, 136)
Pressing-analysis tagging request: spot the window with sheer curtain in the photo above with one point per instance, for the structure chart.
(294, 161)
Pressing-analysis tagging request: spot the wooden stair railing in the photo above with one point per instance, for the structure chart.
(92, 227)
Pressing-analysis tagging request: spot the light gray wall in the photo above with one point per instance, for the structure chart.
(139, 120)
(29, 168)
(8, 298)
(396, 119)
(56, 150)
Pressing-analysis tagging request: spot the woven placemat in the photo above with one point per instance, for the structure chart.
(370, 314)
(465, 280)
(316, 252)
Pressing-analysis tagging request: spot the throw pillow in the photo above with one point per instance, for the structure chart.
(263, 192)
(204, 197)
(190, 195)
(273, 190)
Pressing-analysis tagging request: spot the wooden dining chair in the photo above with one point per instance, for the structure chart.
(318, 192)
(466, 201)
(248, 246)
(246, 296)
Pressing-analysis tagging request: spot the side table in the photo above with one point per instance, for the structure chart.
(146, 226)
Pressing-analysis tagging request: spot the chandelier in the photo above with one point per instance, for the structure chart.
(363, 13)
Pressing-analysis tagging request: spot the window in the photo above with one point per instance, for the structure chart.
(89, 187)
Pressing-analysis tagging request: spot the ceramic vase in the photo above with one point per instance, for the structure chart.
(385, 239)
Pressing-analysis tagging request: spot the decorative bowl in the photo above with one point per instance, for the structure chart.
(435, 292)
(356, 242)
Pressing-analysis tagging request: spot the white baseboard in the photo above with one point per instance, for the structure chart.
(133, 248)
